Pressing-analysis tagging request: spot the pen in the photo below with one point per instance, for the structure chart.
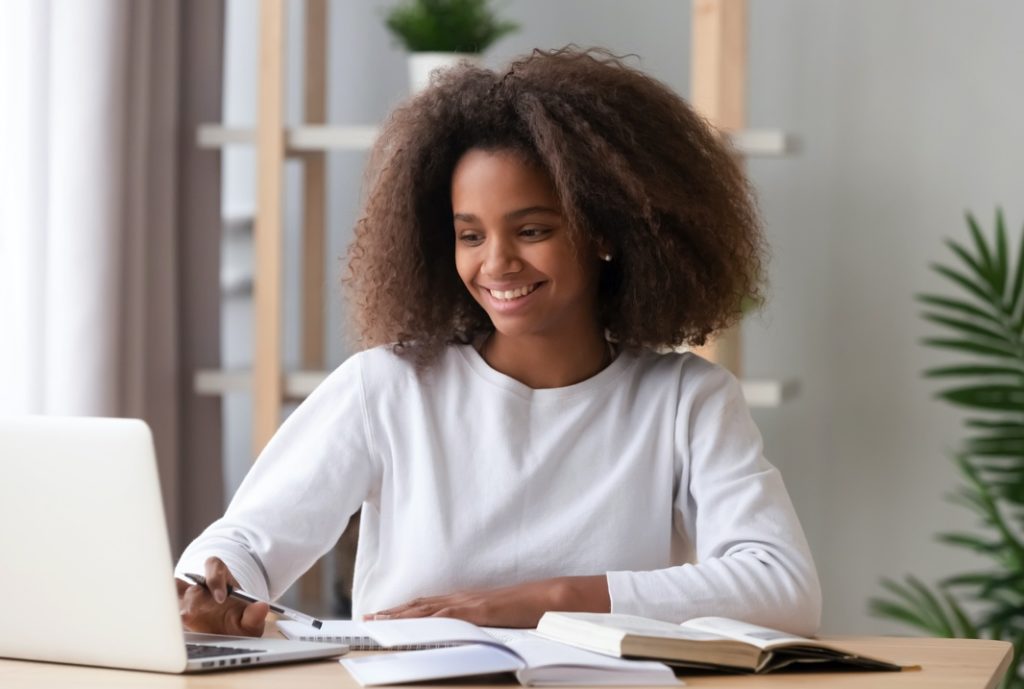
(249, 598)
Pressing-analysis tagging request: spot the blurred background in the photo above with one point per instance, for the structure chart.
(129, 193)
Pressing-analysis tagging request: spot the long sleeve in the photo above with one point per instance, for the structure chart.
(295, 502)
(752, 561)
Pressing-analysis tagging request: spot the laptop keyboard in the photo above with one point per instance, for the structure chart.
(196, 651)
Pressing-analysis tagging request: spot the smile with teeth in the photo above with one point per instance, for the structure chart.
(517, 293)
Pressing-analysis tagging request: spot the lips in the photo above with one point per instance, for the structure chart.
(517, 297)
(514, 293)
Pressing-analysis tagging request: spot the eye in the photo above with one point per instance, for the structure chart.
(470, 238)
(534, 232)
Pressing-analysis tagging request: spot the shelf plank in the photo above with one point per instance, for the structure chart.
(331, 138)
(759, 393)
(749, 142)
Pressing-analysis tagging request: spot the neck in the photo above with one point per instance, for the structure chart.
(547, 361)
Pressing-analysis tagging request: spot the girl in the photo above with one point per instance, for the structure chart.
(534, 242)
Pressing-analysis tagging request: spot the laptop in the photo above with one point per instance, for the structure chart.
(85, 562)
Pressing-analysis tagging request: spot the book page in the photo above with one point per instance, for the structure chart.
(539, 653)
(630, 624)
(761, 637)
(427, 630)
(330, 628)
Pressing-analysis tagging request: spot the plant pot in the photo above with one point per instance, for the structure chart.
(422, 65)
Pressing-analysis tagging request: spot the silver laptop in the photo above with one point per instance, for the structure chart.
(85, 563)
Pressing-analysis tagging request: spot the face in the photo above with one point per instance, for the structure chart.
(512, 248)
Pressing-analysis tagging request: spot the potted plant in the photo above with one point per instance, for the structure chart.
(983, 323)
(439, 33)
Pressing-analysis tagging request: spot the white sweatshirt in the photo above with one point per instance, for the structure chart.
(650, 472)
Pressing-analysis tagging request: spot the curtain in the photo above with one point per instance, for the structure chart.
(96, 317)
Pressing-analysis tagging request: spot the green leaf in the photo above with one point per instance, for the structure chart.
(1002, 260)
(979, 242)
(961, 306)
(1010, 581)
(462, 26)
(998, 434)
(983, 271)
(900, 613)
(970, 541)
(915, 609)
(1001, 424)
(1018, 279)
(1008, 614)
(965, 629)
(1001, 397)
(969, 328)
(985, 349)
(933, 604)
(996, 468)
(970, 579)
(996, 447)
(979, 291)
(968, 370)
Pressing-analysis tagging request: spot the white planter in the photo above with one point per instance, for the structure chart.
(421, 65)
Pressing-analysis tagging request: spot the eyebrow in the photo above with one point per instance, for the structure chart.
(512, 215)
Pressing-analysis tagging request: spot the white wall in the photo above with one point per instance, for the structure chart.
(908, 113)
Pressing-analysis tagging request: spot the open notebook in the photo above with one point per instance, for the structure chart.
(453, 648)
(358, 637)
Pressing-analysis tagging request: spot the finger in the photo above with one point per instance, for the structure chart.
(388, 613)
(413, 611)
(217, 578)
(254, 619)
(226, 618)
(196, 606)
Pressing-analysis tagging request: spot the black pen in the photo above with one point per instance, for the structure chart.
(249, 598)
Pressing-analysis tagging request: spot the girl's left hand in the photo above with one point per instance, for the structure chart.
(520, 605)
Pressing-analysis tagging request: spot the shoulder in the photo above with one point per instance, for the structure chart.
(694, 375)
(382, 368)
(698, 388)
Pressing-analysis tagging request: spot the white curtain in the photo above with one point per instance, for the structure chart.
(88, 249)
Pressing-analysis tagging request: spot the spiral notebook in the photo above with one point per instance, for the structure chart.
(358, 638)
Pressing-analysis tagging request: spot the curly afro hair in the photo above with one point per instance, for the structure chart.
(635, 168)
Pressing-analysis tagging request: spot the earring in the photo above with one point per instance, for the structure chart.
(606, 257)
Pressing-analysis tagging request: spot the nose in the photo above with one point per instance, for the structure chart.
(501, 258)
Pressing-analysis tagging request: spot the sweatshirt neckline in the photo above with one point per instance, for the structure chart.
(480, 367)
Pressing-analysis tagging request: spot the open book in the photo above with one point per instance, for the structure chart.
(704, 642)
(534, 661)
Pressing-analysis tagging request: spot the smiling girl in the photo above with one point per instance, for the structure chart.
(519, 433)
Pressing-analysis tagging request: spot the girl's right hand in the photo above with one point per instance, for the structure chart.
(210, 610)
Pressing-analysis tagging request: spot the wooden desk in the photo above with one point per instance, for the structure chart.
(946, 663)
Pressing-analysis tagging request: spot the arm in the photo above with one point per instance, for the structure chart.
(752, 559)
(297, 499)
(520, 605)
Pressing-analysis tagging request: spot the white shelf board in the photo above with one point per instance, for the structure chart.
(219, 136)
(760, 393)
(751, 142)
(762, 143)
(326, 138)
(767, 394)
(304, 138)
